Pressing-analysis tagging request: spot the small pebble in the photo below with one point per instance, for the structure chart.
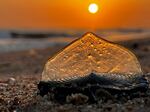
(11, 81)
(32, 52)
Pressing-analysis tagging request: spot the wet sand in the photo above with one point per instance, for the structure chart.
(20, 73)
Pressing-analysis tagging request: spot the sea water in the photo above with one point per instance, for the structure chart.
(9, 44)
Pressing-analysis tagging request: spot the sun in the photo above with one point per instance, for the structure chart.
(93, 8)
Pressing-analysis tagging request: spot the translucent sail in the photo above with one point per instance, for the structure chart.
(90, 54)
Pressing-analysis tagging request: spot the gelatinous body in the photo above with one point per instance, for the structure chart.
(89, 65)
(91, 54)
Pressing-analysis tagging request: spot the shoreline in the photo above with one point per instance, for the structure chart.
(21, 44)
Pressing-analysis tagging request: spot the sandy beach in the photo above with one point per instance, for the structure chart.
(20, 72)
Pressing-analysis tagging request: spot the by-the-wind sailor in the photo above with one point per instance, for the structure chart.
(93, 60)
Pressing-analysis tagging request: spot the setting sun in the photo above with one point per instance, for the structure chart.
(93, 8)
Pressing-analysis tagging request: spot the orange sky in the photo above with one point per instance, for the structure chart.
(74, 14)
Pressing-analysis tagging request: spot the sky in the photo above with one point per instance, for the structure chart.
(65, 14)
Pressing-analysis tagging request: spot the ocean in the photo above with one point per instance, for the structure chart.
(8, 43)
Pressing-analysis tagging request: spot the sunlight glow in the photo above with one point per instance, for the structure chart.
(93, 8)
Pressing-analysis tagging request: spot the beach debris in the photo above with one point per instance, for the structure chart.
(77, 98)
(33, 52)
(91, 63)
(11, 81)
